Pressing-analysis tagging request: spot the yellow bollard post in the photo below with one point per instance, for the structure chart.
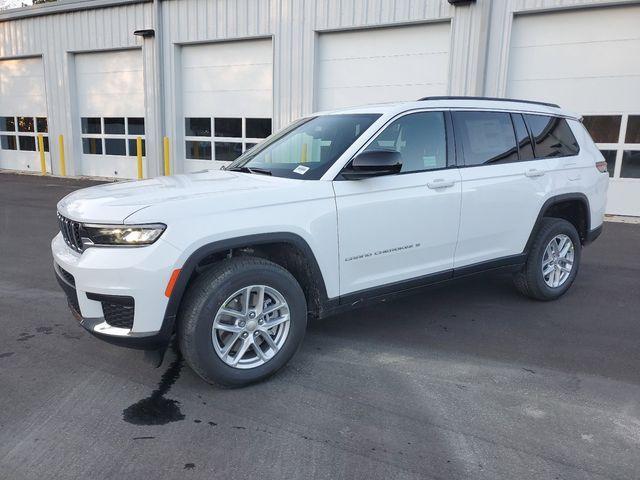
(43, 164)
(139, 155)
(303, 156)
(63, 166)
(166, 156)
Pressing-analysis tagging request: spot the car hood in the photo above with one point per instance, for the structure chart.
(114, 202)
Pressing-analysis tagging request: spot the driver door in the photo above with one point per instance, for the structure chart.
(404, 226)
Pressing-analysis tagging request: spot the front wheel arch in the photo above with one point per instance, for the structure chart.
(220, 249)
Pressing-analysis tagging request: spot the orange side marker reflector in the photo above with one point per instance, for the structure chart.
(172, 282)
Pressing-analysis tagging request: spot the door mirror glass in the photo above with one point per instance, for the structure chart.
(373, 163)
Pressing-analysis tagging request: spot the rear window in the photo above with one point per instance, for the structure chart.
(486, 137)
(552, 136)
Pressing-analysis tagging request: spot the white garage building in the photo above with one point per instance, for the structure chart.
(217, 76)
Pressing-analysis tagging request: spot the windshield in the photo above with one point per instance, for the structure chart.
(307, 148)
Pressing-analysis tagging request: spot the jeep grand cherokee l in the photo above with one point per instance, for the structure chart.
(339, 209)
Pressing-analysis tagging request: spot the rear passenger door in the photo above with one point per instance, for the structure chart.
(503, 185)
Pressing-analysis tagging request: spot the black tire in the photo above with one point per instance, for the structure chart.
(530, 281)
(207, 294)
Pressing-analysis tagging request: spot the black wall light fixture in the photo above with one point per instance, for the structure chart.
(148, 33)
(461, 2)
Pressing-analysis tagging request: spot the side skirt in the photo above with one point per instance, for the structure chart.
(398, 289)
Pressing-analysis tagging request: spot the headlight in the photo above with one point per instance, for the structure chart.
(121, 235)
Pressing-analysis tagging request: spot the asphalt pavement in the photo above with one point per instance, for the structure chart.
(463, 380)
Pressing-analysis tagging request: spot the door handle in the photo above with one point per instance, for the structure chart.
(439, 183)
(534, 172)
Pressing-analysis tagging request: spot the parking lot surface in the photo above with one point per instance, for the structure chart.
(464, 380)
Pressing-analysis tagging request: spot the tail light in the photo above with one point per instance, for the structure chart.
(601, 166)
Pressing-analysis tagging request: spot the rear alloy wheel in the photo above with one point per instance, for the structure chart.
(241, 321)
(557, 261)
(553, 261)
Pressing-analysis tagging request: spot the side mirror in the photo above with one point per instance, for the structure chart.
(373, 163)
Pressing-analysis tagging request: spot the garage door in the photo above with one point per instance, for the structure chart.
(588, 61)
(23, 114)
(382, 65)
(111, 105)
(227, 100)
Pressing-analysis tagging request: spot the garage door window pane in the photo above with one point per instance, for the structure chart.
(114, 126)
(633, 129)
(114, 146)
(27, 143)
(92, 146)
(228, 151)
(198, 150)
(258, 127)
(603, 128)
(197, 127)
(7, 124)
(133, 149)
(135, 126)
(91, 125)
(552, 136)
(610, 157)
(228, 127)
(8, 142)
(45, 144)
(630, 164)
(41, 125)
(487, 137)
(25, 124)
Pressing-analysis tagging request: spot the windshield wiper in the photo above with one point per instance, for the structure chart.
(249, 170)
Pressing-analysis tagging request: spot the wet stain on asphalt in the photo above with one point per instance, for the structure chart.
(156, 409)
(24, 337)
(45, 330)
(6, 354)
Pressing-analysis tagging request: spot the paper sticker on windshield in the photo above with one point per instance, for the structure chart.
(301, 169)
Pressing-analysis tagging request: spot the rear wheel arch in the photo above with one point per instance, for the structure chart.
(572, 207)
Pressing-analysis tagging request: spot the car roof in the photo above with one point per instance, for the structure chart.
(481, 103)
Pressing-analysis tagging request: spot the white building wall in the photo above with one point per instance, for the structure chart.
(56, 38)
(478, 62)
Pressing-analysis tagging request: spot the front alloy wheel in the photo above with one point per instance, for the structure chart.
(241, 321)
(251, 326)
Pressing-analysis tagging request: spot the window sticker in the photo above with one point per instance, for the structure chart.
(301, 169)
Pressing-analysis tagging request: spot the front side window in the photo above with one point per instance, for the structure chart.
(307, 148)
(419, 137)
(552, 136)
(486, 137)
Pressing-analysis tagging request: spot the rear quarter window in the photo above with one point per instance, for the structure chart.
(552, 136)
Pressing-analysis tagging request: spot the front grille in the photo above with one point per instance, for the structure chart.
(70, 232)
(119, 314)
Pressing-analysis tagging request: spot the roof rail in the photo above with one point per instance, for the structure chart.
(489, 98)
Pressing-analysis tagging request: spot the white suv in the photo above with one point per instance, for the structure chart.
(339, 209)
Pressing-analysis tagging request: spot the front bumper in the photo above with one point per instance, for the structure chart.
(138, 274)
